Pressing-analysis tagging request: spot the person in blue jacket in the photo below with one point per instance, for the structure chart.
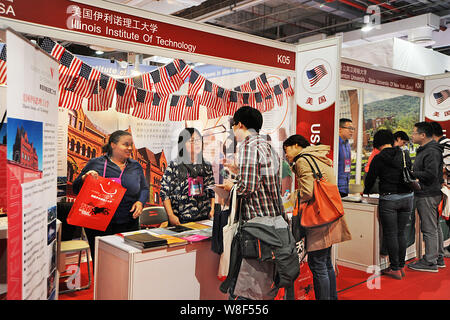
(116, 164)
(346, 130)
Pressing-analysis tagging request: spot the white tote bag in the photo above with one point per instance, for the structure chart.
(229, 231)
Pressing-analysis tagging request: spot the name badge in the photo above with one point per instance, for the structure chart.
(195, 186)
(347, 165)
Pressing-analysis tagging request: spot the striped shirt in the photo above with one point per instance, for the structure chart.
(258, 181)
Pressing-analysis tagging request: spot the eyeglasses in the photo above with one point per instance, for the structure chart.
(349, 128)
(198, 140)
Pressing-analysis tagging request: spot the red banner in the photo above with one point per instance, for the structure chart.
(72, 16)
(380, 78)
(317, 126)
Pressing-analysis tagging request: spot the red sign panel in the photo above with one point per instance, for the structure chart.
(68, 15)
(380, 78)
(317, 126)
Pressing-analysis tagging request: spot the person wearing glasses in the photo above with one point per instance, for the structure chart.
(346, 130)
(186, 184)
(427, 168)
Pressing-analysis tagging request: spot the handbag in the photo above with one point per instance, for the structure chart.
(96, 203)
(228, 233)
(298, 231)
(325, 206)
(407, 177)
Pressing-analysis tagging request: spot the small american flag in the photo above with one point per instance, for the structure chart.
(209, 94)
(232, 103)
(94, 101)
(137, 82)
(196, 82)
(174, 76)
(162, 82)
(87, 79)
(268, 103)
(142, 109)
(287, 87)
(246, 87)
(147, 82)
(315, 74)
(107, 88)
(69, 99)
(278, 94)
(159, 106)
(125, 97)
(52, 48)
(176, 108)
(69, 68)
(182, 68)
(3, 65)
(263, 85)
(441, 96)
(192, 109)
(259, 101)
(220, 100)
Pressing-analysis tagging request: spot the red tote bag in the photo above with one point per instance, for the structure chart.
(96, 203)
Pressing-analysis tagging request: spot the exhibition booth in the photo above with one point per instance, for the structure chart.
(302, 89)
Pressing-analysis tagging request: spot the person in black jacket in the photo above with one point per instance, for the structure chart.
(396, 199)
(428, 170)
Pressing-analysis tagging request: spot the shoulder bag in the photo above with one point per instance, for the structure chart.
(407, 177)
(325, 206)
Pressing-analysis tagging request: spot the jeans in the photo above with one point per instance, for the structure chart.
(324, 278)
(429, 225)
(110, 230)
(395, 211)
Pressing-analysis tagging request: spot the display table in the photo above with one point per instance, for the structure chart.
(363, 250)
(187, 272)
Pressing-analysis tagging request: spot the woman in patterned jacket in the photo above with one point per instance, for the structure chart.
(186, 184)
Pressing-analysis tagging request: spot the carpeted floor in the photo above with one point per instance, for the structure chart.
(352, 285)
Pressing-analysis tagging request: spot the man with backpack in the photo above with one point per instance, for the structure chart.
(257, 266)
(444, 143)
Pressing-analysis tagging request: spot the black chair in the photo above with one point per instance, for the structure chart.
(153, 217)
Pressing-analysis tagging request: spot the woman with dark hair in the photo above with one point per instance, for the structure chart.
(319, 240)
(117, 165)
(396, 200)
(186, 184)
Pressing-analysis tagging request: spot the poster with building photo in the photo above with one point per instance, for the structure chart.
(31, 150)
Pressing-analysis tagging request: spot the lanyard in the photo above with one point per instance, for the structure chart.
(104, 170)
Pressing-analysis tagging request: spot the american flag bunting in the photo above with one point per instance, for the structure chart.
(53, 48)
(69, 99)
(162, 82)
(192, 109)
(142, 108)
(69, 68)
(125, 97)
(263, 85)
(183, 69)
(87, 79)
(3, 65)
(176, 108)
(287, 87)
(174, 76)
(278, 94)
(159, 106)
(196, 82)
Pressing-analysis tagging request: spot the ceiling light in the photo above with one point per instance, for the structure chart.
(99, 52)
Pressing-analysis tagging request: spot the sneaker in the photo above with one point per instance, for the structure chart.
(396, 274)
(446, 252)
(422, 265)
(440, 262)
